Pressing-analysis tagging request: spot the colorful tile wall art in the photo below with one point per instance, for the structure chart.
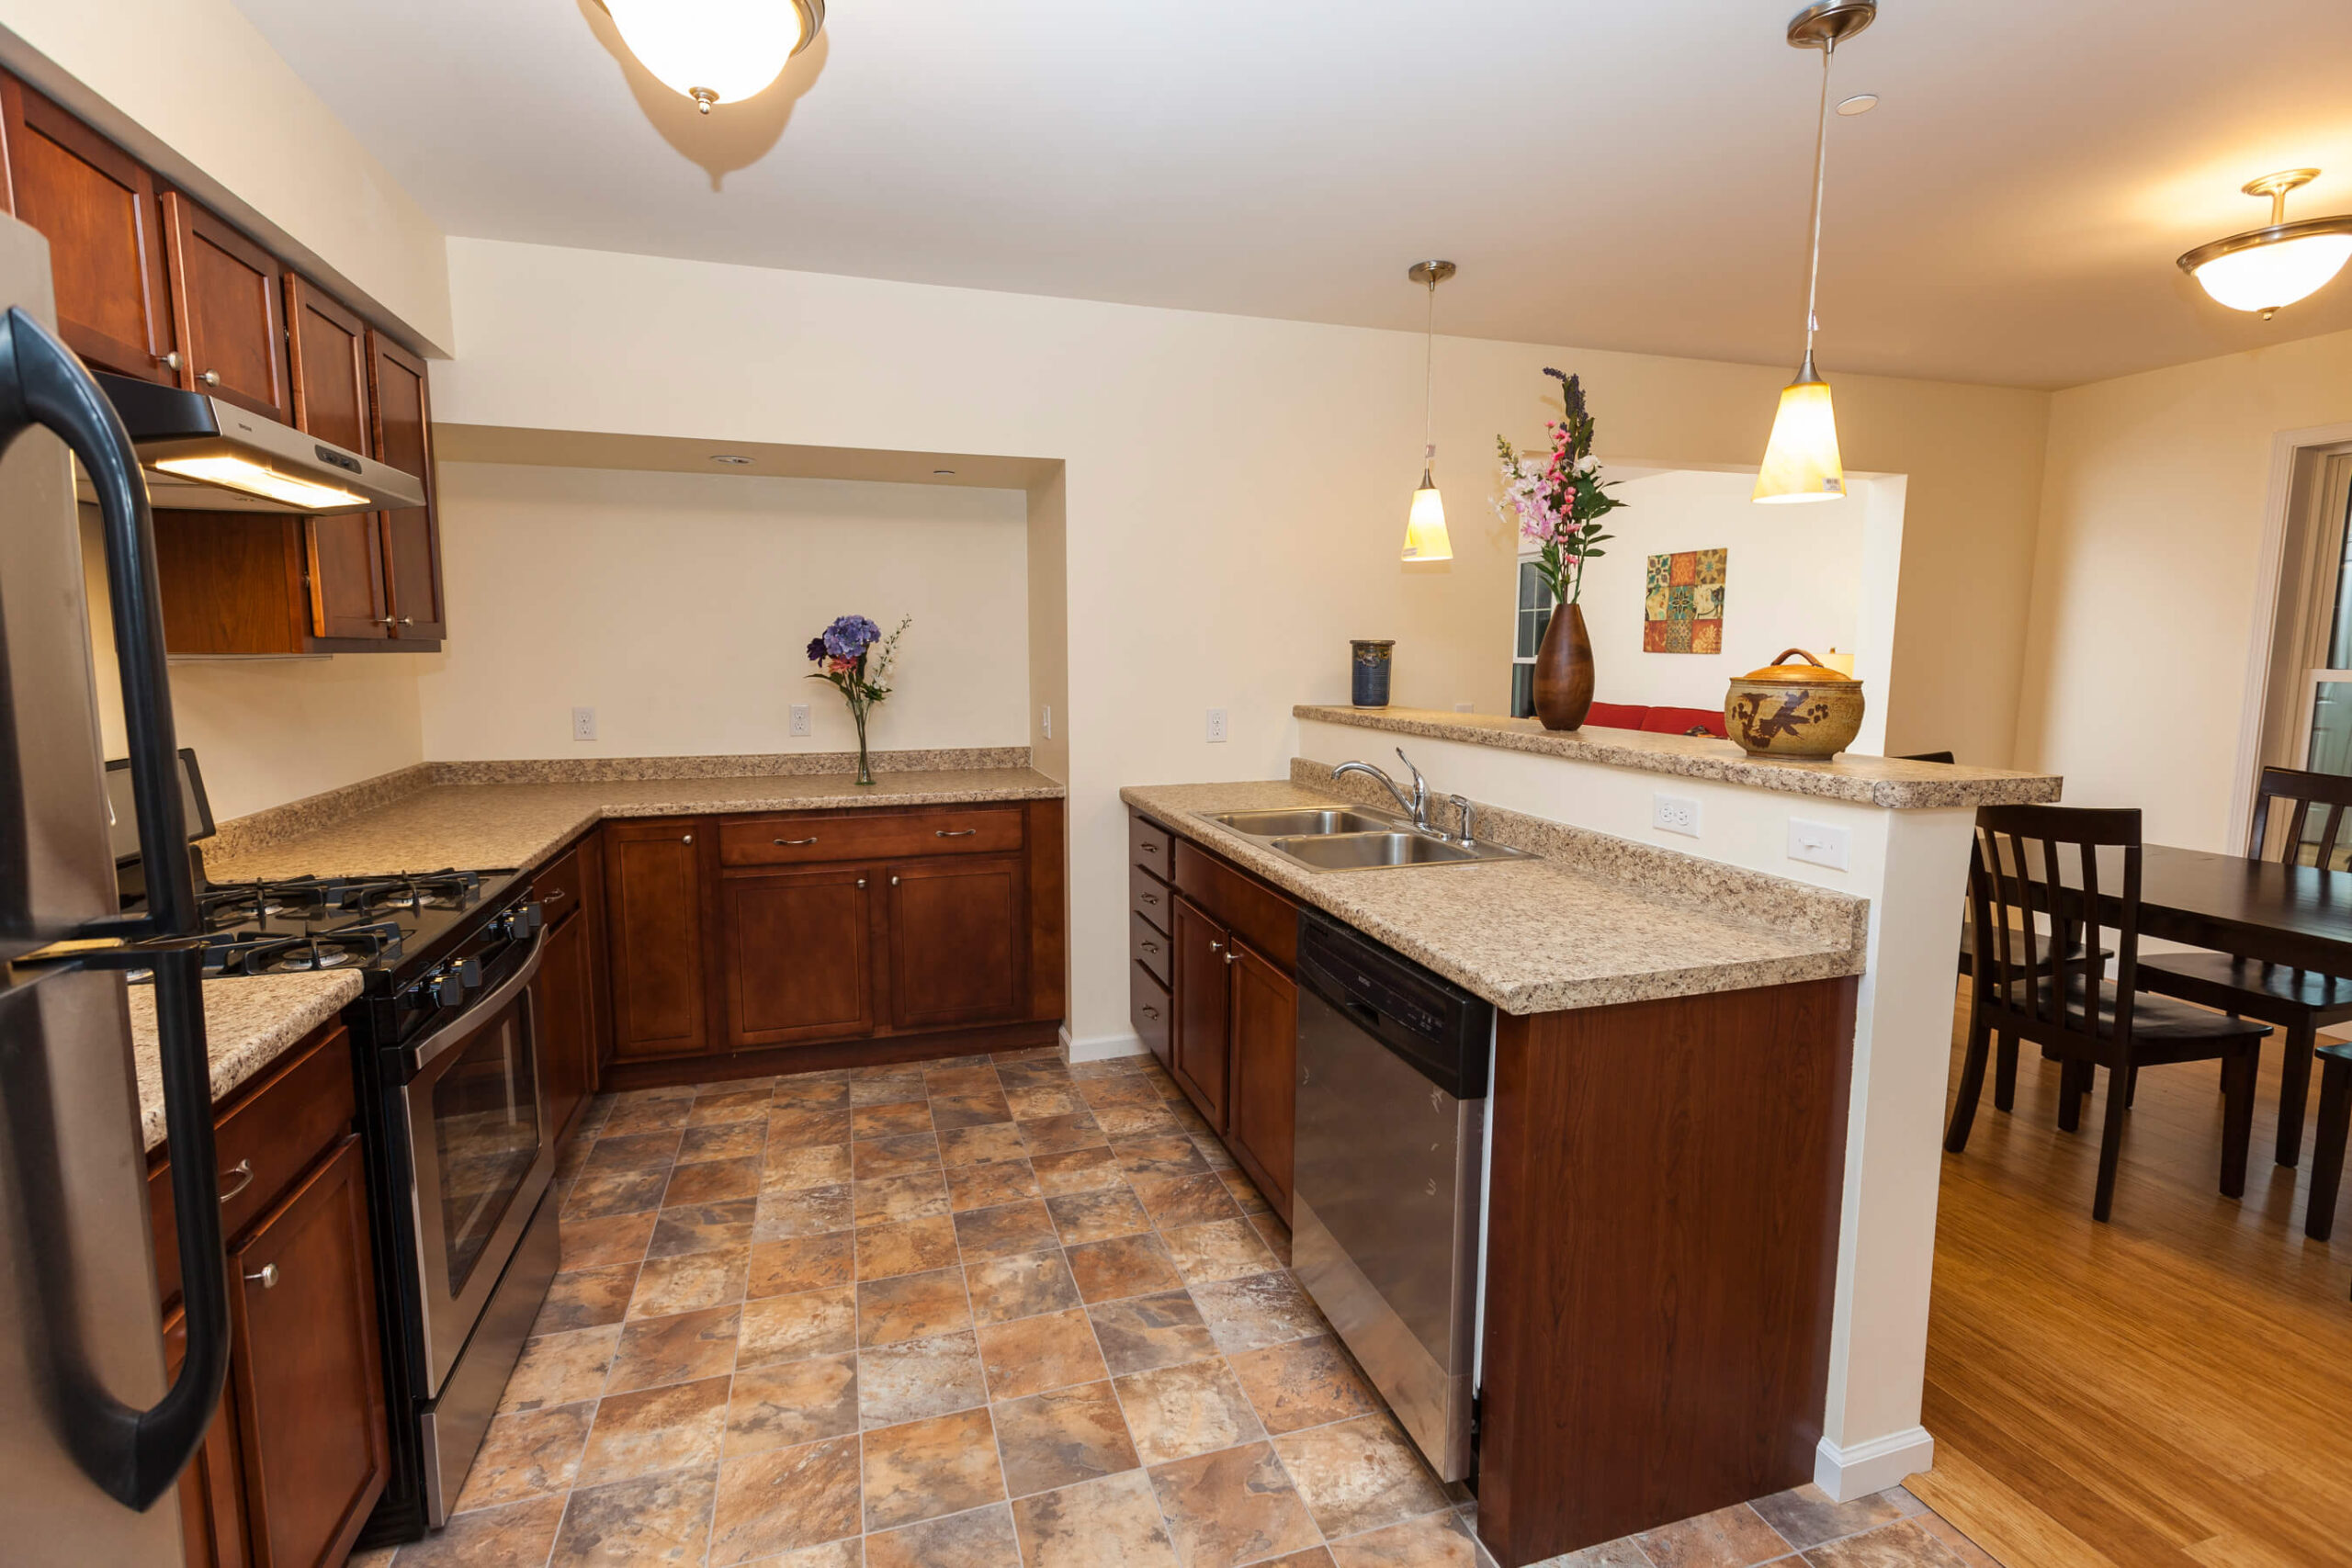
(1683, 612)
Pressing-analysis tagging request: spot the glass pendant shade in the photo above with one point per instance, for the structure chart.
(1425, 535)
(1801, 461)
(2266, 277)
(716, 51)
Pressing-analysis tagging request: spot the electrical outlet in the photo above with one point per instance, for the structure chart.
(801, 721)
(1675, 814)
(1049, 721)
(1217, 726)
(1817, 843)
(583, 724)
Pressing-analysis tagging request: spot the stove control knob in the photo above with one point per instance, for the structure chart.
(469, 973)
(529, 918)
(446, 988)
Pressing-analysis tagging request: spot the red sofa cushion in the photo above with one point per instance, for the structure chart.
(1684, 721)
(1617, 716)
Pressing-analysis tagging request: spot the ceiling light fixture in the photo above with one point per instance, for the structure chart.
(1860, 103)
(1425, 535)
(1801, 461)
(716, 51)
(730, 459)
(2267, 269)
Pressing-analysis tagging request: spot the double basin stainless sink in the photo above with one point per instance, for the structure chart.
(1353, 838)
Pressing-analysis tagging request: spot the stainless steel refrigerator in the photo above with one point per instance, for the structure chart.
(93, 1433)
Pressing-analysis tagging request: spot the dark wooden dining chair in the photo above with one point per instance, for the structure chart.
(2301, 1002)
(2046, 986)
(2327, 1148)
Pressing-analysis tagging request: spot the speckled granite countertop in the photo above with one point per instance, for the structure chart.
(484, 824)
(249, 1022)
(1886, 782)
(1545, 934)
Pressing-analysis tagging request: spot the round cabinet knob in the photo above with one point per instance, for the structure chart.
(209, 377)
(861, 882)
(893, 881)
(266, 1278)
(1216, 947)
(169, 361)
(687, 840)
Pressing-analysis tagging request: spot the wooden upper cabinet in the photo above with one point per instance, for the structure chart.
(401, 431)
(309, 1373)
(327, 345)
(653, 916)
(96, 206)
(226, 294)
(957, 944)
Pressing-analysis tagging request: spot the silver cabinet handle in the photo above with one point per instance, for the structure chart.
(408, 620)
(1149, 1010)
(1151, 947)
(266, 1278)
(1233, 958)
(169, 361)
(789, 843)
(688, 839)
(893, 881)
(1216, 947)
(1150, 849)
(558, 897)
(243, 1172)
(960, 833)
(209, 377)
(1149, 897)
(861, 882)
(386, 621)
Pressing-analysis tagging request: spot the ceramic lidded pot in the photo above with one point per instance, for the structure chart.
(1789, 709)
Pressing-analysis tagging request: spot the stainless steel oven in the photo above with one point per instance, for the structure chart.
(480, 1154)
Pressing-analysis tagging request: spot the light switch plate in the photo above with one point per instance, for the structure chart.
(1817, 843)
(1217, 726)
(800, 720)
(1675, 814)
(583, 724)
(1049, 721)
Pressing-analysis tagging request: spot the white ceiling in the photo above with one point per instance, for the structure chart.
(1629, 176)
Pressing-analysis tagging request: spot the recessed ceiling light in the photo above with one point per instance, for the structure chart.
(730, 459)
(1860, 103)
(943, 471)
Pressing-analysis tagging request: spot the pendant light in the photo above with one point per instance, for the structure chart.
(2264, 269)
(1801, 461)
(1425, 535)
(716, 51)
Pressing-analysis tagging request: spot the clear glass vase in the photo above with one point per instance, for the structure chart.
(865, 768)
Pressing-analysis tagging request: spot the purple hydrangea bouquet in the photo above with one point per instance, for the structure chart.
(855, 656)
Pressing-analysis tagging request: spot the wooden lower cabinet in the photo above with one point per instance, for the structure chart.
(300, 1449)
(653, 913)
(956, 942)
(308, 1369)
(1263, 1128)
(1202, 1046)
(798, 955)
(564, 1017)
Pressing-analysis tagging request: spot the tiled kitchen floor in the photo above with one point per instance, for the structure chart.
(970, 1314)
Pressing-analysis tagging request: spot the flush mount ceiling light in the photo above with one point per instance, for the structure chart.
(1425, 535)
(2267, 269)
(716, 51)
(1801, 461)
(730, 459)
(1860, 103)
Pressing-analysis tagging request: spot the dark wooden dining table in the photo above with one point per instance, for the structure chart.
(2293, 915)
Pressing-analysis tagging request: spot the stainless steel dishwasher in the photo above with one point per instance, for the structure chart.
(1392, 1101)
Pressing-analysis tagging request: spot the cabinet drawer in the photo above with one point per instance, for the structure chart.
(802, 837)
(1152, 898)
(1148, 946)
(275, 1133)
(1148, 1009)
(1264, 918)
(1151, 846)
(560, 888)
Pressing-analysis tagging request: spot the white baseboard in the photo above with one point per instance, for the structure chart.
(1846, 1473)
(1101, 1047)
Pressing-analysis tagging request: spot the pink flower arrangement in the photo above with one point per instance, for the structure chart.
(1559, 498)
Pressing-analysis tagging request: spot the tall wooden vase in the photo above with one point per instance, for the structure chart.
(1564, 670)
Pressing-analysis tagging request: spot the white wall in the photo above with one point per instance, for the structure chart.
(2144, 612)
(679, 606)
(1793, 580)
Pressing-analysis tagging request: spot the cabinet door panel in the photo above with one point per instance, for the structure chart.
(225, 293)
(958, 949)
(327, 347)
(653, 913)
(346, 566)
(799, 961)
(1204, 993)
(1265, 1074)
(308, 1372)
(96, 204)
(403, 438)
(561, 1013)
(212, 1509)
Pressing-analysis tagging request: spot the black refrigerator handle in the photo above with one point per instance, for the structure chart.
(135, 1455)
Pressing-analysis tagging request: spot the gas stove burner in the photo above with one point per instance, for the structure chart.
(300, 953)
(299, 959)
(305, 901)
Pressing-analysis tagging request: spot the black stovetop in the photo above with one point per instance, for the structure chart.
(296, 925)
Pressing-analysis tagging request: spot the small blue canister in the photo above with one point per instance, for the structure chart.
(1371, 662)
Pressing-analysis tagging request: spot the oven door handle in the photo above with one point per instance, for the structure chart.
(422, 1055)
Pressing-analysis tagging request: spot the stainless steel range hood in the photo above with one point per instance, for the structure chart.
(202, 454)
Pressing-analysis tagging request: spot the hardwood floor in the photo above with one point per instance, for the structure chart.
(2171, 1390)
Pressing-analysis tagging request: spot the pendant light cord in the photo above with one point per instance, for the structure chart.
(1820, 176)
(1428, 382)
